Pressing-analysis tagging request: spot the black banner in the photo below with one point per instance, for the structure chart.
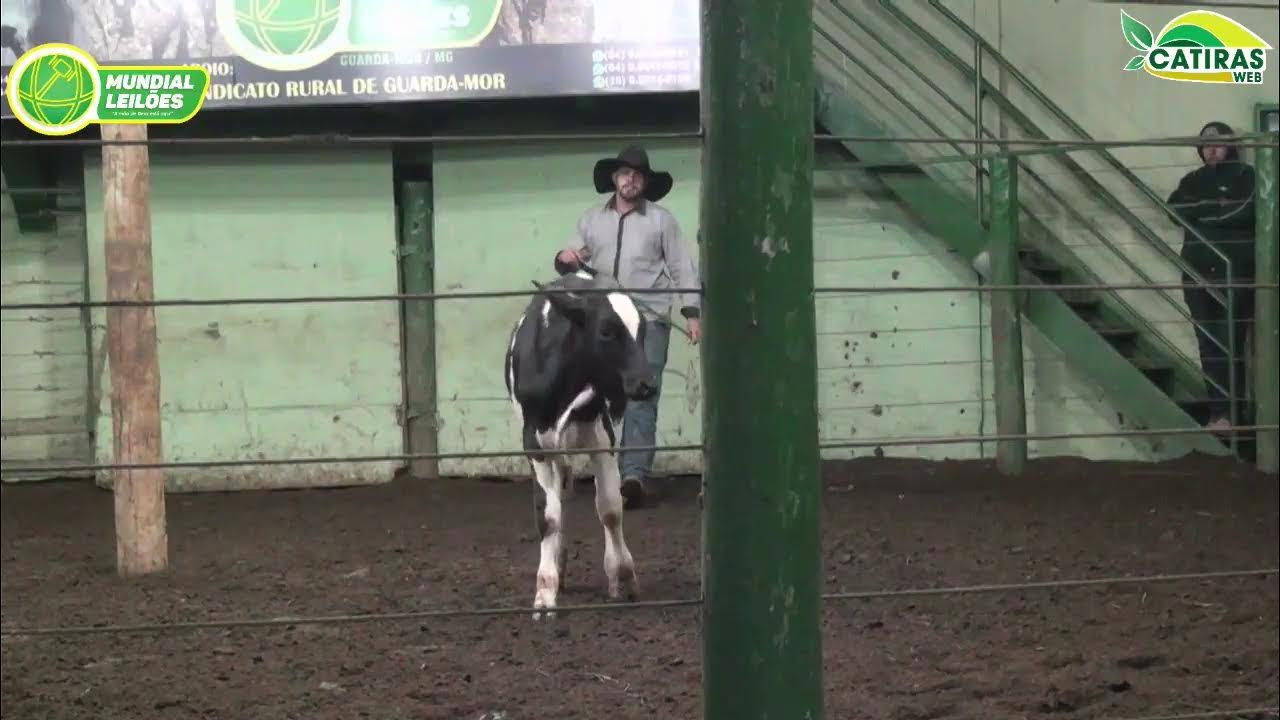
(264, 53)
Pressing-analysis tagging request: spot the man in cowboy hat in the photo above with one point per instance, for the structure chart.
(638, 242)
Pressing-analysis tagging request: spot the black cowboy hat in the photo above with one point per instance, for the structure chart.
(657, 183)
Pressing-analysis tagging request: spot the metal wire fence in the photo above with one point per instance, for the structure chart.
(1007, 150)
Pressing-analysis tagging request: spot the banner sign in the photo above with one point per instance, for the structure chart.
(268, 53)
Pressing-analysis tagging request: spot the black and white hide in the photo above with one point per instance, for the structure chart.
(573, 361)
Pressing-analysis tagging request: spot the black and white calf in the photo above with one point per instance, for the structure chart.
(573, 361)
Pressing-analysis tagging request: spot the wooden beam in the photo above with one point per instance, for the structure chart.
(141, 535)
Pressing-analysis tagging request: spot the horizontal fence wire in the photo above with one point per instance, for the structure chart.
(79, 190)
(896, 330)
(834, 445)
(1239, 714)
(1033, 146)
(1243, 140)
(345, 139)
(479, 294)
(447, 613)
(317, 299)
(1051, 287)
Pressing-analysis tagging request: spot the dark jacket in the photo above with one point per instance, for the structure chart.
(1218, 201)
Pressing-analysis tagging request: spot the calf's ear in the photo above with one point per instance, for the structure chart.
(571, 306)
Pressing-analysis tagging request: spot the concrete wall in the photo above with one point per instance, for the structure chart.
(44, 364)
(266, 381)
(891, 365)
(1072, 51)
(912, 365)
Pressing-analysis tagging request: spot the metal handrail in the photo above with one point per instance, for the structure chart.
(1043, 185)
(1083, 175)
(1022, 119)
(1134, 222)
(1041, 182)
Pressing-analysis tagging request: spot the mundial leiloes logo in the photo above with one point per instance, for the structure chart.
(59, 89)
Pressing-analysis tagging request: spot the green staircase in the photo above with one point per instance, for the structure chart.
(1144, 376)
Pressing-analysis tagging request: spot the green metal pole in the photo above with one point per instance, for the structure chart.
(1006, 317)
(419, 328)
(1266, 333)
(762, 654)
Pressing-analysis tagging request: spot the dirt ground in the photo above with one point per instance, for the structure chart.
(1074, 653)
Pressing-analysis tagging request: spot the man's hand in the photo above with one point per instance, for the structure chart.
(574, 257)
(695, 330)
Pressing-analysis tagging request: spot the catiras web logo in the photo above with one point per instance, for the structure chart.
(1198, 46)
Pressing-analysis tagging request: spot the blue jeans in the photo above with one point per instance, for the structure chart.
(640, 421)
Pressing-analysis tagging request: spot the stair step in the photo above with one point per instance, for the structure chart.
(1161, 376)
(1046, 273)
(1122, 339)
(1042, 267)
(1083, 305)
(1115, 331)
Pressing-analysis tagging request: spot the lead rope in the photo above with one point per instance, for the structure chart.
(683, 330)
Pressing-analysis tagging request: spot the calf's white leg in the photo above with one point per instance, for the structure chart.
(619, 567)
(550, 517)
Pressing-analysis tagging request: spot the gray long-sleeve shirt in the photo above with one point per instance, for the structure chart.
(641, 249)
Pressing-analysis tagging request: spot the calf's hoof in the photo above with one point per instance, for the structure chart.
(544, 599)
(625, 586)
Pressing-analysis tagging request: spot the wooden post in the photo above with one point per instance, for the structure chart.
(419, 327)
(1006, 317)
(141, 536)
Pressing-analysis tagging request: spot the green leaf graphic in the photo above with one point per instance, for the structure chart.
(1136, 63)
(1138, 35)
(1189, 33)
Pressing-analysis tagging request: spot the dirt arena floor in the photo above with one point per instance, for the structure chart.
(1079, 653)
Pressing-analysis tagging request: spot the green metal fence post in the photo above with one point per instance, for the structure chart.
(1266, 332)
(1006, 316)
(419, 328)
(762, 653)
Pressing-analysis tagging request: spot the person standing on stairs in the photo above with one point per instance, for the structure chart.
(1217, 199)
(638, 242)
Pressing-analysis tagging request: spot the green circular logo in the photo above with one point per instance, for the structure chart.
(53, 89)
(287, 27)
(56, 89)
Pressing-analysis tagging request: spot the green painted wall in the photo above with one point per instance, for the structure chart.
(910, 365)
(267, 381)
(325, 380)
(44, 366)
(501, 214)
(891, 365)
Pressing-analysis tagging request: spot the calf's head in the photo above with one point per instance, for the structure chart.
(608, 332)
